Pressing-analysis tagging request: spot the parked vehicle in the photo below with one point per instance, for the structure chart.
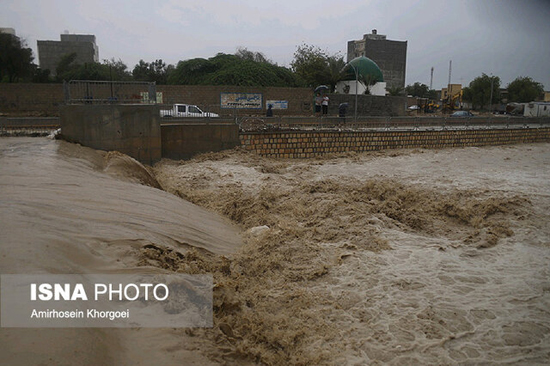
(537, 109)
(186, 110)
(462, 114)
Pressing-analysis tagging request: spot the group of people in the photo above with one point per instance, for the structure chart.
(321, 104)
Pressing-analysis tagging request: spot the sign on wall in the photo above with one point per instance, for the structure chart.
(145, 98)
(277, 104)
(241, 100)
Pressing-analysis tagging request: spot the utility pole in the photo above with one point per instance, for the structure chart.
(449, 96)
(491, 99)
(356, 82)
(432, 78)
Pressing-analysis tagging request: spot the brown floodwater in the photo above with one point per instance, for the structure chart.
(404, 257)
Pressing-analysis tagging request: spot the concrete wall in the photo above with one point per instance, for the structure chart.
(308, 144)
(131, 129)
(186, 139)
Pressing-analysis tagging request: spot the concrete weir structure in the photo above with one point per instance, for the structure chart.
(132, 129)
(136, 130)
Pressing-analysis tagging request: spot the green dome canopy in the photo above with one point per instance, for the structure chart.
(366, 67)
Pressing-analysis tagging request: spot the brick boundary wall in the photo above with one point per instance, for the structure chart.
(27, 99)
(308, 144)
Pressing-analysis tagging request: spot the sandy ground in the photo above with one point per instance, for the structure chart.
(400, 257)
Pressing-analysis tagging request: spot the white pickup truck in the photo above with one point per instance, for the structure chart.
(186, 110)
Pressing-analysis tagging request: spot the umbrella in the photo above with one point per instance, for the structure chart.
(320, 88)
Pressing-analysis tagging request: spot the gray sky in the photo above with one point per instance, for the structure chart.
(506, 38)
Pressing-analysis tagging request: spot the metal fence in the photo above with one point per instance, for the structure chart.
(251, 123)
(115, 92)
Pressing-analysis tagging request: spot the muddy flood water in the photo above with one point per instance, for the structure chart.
(410, 257)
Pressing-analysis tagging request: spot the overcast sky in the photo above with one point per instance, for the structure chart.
(505, 38)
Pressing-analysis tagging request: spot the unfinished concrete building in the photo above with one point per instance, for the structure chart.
(390, 56)
(51, 52)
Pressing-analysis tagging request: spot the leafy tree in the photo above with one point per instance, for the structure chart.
(117, 70)
(395, 91)
(336, 64)
(15, 59)
(524, 90)
(479, 91)
(225, 69)
(245, 54)
(66, 66)
(467, 95)
(41, 76)
(369, 80)
(310, 64)
(418, 90)
(191, 72)
(432, 94)
(156, 71)
(316, 67)
(68, 69)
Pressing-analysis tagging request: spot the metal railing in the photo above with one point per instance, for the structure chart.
(105, 92)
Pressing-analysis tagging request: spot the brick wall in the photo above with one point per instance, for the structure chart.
(208, 98)
(45, 99)
(19, 98)
(307, 144)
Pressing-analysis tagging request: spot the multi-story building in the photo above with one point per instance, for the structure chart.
(8, 31)
(51, 52)
(390, 56)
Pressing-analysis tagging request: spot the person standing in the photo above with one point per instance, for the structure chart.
(318, 101)
(342, 109)
(325, 104)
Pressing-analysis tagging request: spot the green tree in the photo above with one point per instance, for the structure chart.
(336, 64)
(225, 69)
(245, 54)
(418, 90)
(67, 69)
(156, 71)
(117, 70)
(312, 65)
(479, 91)
(432, 94)
(369, 80)
(16, 60)
(395, 91)
(524, 90)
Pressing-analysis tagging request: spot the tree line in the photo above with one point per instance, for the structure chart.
(310, 67)
(485, 91)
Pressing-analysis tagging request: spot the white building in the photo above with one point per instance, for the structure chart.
(360, 72)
